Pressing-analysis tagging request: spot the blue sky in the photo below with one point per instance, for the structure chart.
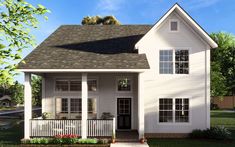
(212, 15)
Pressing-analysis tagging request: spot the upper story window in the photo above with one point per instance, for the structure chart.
(166, 61)
(73, 85)
(124, 84)
(174, 61)
(174, 25)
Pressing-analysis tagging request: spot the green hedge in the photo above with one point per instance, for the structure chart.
(218, 132)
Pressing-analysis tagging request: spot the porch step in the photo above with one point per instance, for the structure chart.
(132, 144)
(127, 140)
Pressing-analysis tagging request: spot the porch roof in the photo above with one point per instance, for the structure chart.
(89, 47)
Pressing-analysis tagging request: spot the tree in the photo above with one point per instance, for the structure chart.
(97, 20)
(17, 18)
(223, 64)
(16, 91)
(36, 82)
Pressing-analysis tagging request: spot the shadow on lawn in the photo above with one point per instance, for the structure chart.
(12, 136)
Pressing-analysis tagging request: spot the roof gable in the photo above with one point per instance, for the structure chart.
(188, 19)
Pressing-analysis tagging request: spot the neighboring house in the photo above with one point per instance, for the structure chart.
(5, 101)
(151, 78)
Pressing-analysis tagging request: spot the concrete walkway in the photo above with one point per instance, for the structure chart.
(129, 144)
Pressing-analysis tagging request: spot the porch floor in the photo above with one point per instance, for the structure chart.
(127, 136)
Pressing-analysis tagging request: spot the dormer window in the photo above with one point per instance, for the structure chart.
(174, 25)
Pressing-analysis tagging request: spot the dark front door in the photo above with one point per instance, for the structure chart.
(124, 113)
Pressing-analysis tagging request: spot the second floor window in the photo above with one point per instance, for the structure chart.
(174, 61)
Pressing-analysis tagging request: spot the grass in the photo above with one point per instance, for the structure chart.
(223, 118)
(12, 136)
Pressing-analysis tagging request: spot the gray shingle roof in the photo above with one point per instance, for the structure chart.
(89, 47)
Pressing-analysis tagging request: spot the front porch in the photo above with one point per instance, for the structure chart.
(80, 102)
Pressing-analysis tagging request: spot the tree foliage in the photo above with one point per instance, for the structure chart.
(97, 20)
(16, 91)
(17, 18)
(223, 64)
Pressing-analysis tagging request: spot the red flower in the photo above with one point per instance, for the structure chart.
(66, 136)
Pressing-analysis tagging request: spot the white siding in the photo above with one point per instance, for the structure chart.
(106, 94)
(191, 85)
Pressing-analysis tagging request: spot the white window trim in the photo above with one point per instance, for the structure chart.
(75, 97)
(178, 25)
(75, 79)
(173, 56)
(121, 77)
(175, 123)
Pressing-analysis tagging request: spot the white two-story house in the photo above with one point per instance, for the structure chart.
(99, 79)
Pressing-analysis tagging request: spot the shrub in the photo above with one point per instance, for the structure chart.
(66, 139)
(103, 141)
(197, 134)
(39, 141)
(218, 132)
(88, 141)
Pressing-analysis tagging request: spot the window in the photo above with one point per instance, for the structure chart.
(166, 62)
(64, 105)
(180, 64)
(62, 85)
(181, 110)
(174, 25)
(181, 61)
(75, 105)
(92, 85)
(124, 84)
(165, 110)
(174, 110)
(74, 85)
(71, 108)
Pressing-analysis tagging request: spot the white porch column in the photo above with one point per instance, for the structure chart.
(141, 105)
(27, 104)
(43, 94)
(84, 105)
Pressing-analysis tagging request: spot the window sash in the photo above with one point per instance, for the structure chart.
(174, 61)
(75, 85)
(173, 112)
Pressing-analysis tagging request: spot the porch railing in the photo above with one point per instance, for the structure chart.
(52, 127)
(100, 127)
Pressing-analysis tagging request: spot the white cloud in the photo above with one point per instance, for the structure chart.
(109, 5)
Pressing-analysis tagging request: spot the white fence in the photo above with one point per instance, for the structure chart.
(99, 127)
(52, 127)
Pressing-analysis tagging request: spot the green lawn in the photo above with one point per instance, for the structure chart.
(226, 119)
(11, 136)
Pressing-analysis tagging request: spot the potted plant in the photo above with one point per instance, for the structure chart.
(46, 115)
(142, 140)
(113, 138)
